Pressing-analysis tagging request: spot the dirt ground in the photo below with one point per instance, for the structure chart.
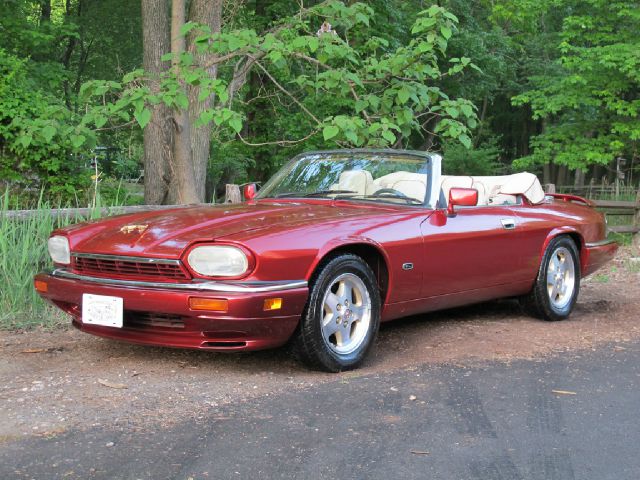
(54, 381)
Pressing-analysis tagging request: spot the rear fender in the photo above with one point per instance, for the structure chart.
(573, 233)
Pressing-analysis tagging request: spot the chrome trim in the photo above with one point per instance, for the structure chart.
(407, 266)
(600, 243)
(124, 258)
(208, 286)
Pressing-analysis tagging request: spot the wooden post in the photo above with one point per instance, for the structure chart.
(232, 194)
(636, 222)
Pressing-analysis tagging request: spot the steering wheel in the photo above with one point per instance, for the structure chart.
(388, 191)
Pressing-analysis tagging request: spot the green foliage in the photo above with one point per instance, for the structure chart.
(23, 252)
(592, 102)
(39, 138)
(385, 94)
(482, 160)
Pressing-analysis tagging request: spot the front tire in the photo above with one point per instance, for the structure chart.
(342, 316)
(557, 285)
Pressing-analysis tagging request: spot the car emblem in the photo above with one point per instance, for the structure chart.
(134, 228)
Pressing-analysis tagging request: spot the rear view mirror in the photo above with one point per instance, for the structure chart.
(463, 197)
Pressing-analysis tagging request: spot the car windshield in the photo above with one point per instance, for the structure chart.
(384, 177)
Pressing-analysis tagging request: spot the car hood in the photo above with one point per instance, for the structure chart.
(167, 233)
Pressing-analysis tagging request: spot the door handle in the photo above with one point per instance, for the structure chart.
(508, 223)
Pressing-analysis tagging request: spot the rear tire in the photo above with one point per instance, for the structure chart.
(557, 285)
(341, 319)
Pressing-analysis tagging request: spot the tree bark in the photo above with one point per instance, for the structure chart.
(184, 187)
(206, 12)
(158, 133)
(45, 11)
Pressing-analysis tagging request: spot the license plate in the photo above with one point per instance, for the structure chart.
(102, 310)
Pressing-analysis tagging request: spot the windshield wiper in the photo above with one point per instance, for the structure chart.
(392, 196)
(319, 193)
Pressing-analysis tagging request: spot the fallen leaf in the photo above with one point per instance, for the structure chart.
(564, 392)
(109, 384)
(420, 452)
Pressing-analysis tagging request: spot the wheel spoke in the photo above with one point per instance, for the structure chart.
(345, 334)
(332, 302)
(358, 311)
(554, 292)
(347, 291)
(329, 326)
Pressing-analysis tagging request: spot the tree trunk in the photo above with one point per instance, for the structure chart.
(546, 173)
(184, 187)
(158, 133)
(45, 11)
(562, 175)
(206, 12)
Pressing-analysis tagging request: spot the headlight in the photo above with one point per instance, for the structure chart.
(59, 249)
(218, 261)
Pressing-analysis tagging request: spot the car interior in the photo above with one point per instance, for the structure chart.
(492, 190)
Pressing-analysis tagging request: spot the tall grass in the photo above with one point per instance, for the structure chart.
(23, 253)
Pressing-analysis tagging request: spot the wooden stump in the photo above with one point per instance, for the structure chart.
(232, 194)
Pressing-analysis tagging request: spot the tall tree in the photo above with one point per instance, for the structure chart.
(158, 140)
(181, 161)
(209, 14)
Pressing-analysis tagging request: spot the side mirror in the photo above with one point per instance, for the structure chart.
(250, 190)
(463, 197)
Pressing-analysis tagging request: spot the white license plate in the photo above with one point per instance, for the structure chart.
(102, 310)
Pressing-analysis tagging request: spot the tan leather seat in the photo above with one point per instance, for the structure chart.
(413, 185)
(358, 181)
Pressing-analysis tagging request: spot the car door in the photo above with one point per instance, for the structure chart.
(473, 249)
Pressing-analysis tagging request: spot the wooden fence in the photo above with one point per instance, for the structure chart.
(613, 208)
(232, 196)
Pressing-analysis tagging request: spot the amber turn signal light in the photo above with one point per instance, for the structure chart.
(211, 304)
(41, 286)
(272, 304)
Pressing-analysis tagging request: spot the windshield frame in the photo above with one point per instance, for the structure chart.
(427, 167)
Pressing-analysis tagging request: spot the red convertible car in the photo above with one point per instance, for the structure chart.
(335, 243)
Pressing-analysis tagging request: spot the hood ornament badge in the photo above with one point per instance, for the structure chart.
(134, 228)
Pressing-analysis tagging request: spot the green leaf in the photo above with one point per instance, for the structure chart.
(403, 95)
(314, 43)
(351, 136)
(446, 32)
(236, 124)
(142, 117)
(77, 140)
(467, 111)
(25, 140)
(389, 136)
(465, 140)
(48, 132)
(330, 131)
(99, 121)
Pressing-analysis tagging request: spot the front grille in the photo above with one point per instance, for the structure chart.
(134, 319)
(106, 266)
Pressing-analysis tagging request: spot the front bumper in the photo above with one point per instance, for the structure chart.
(159, 313)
